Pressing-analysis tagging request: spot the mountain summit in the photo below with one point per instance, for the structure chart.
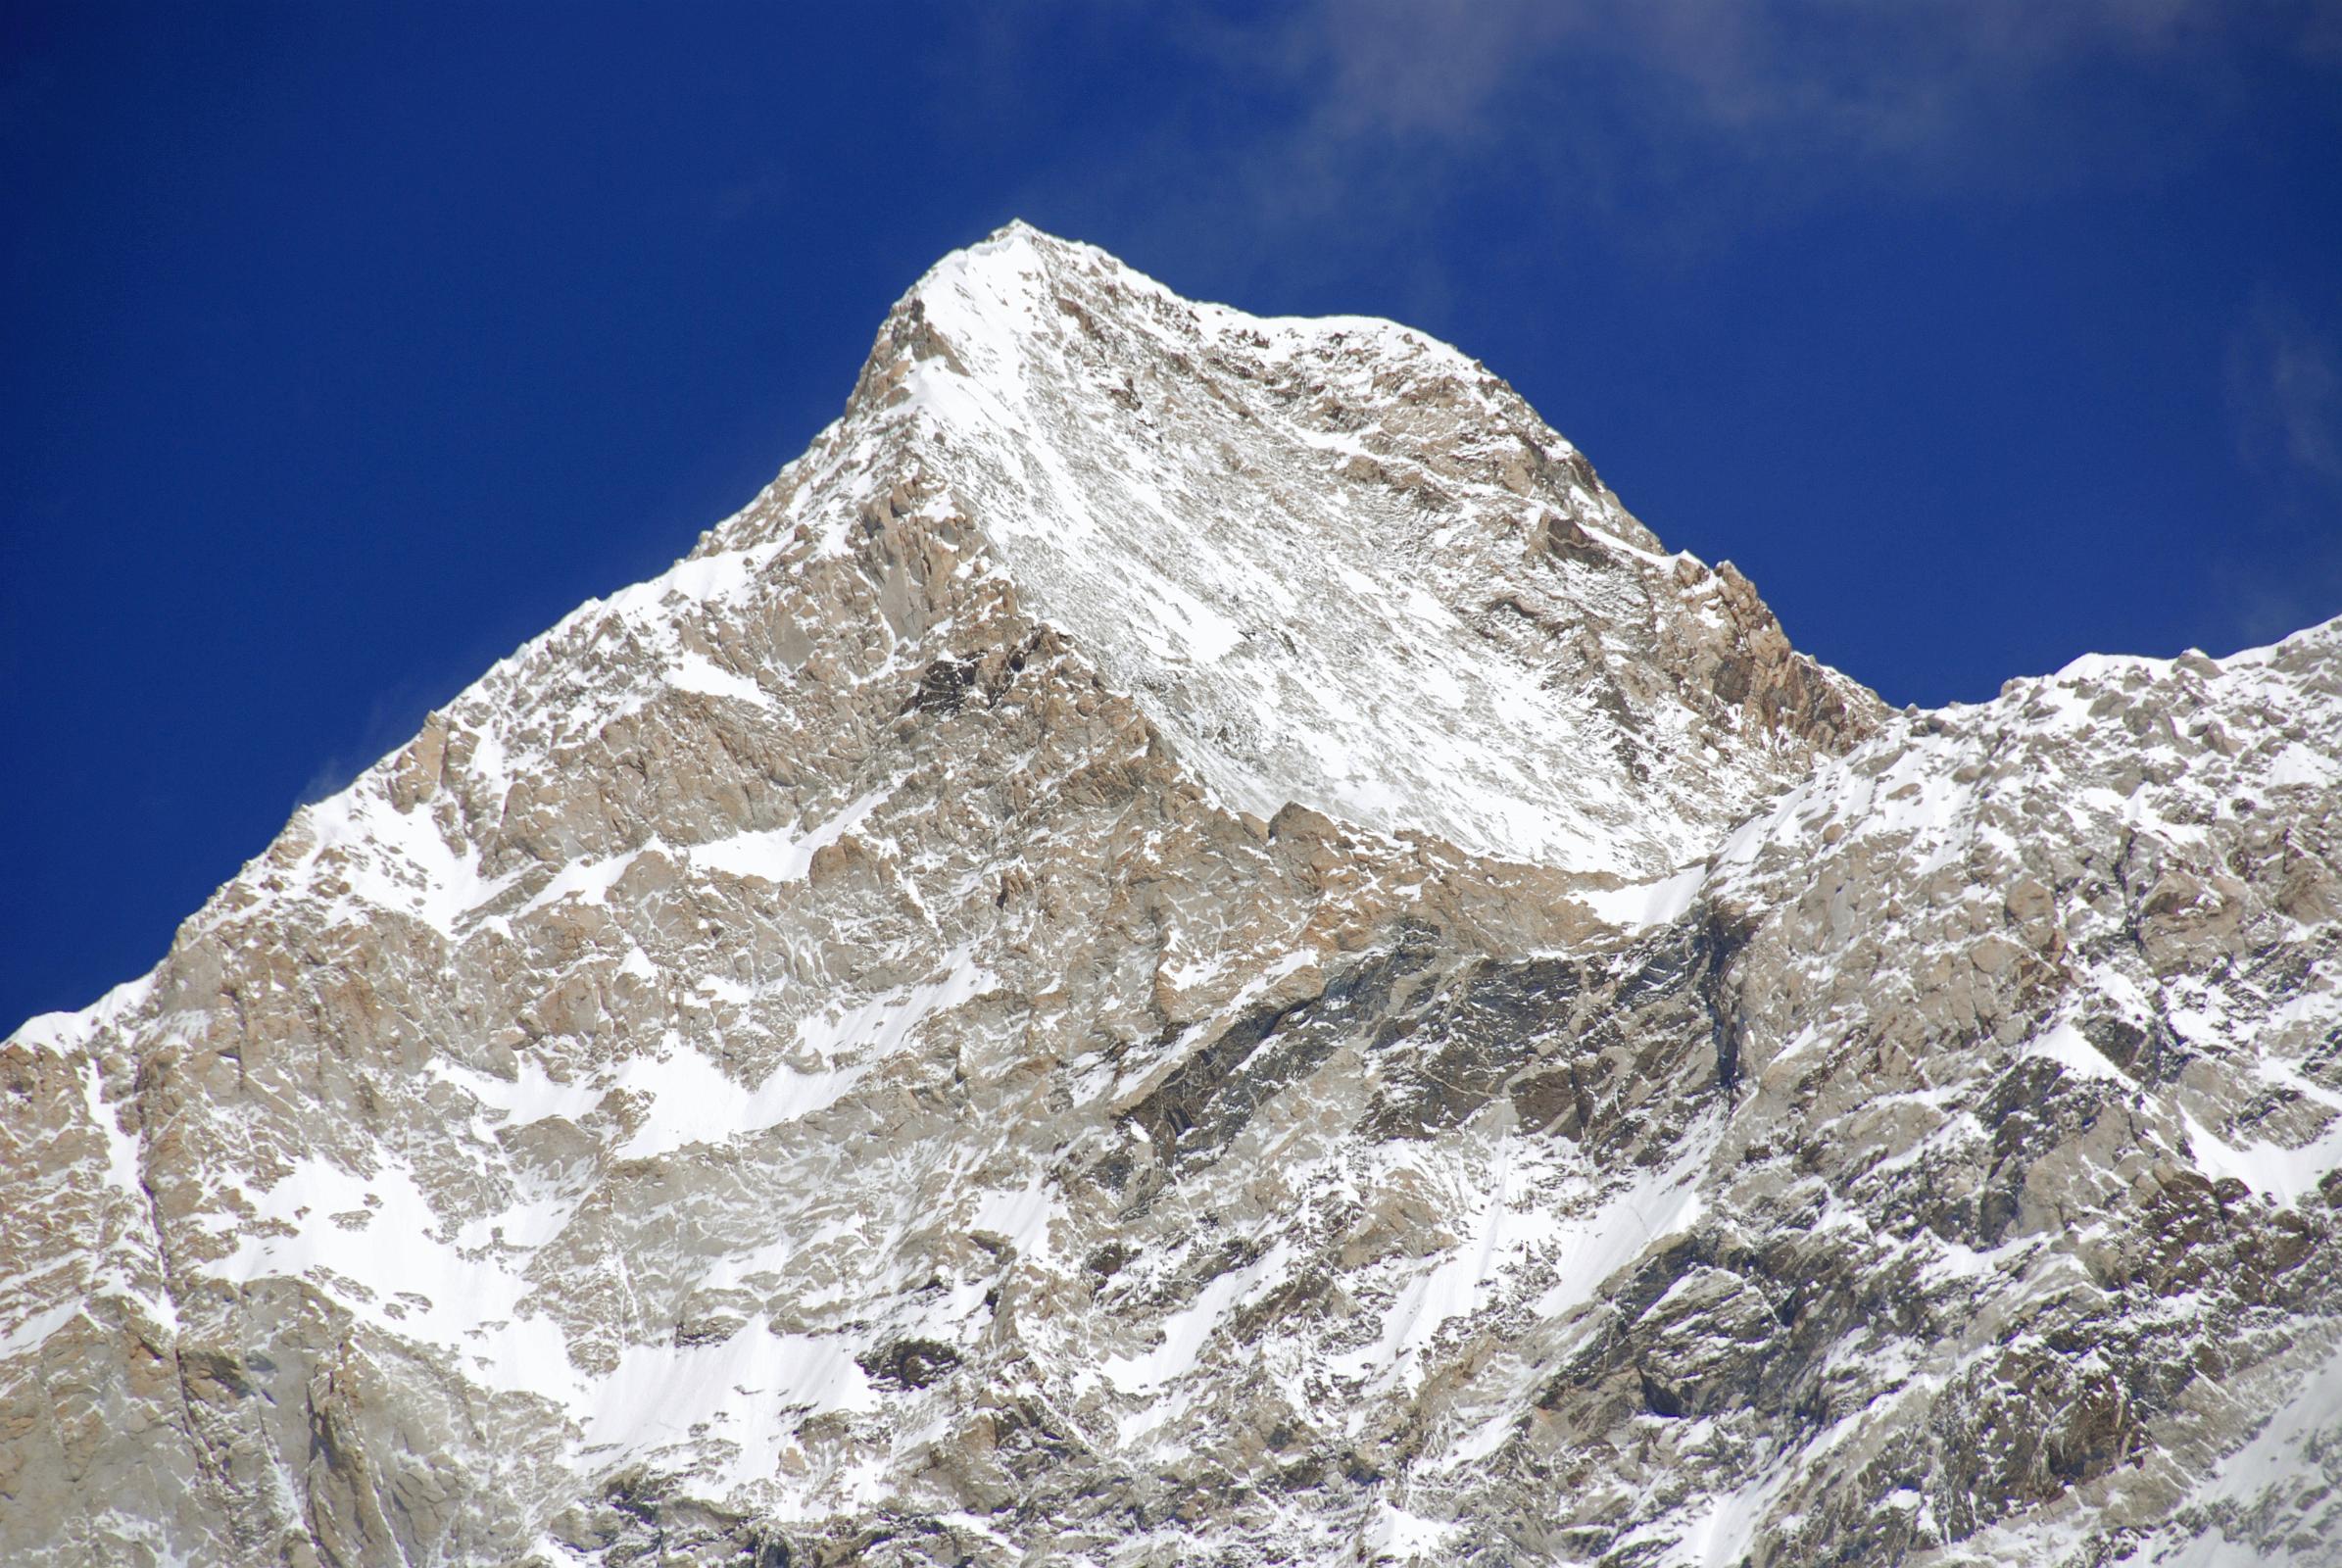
(1184, 944)
(1341, 564)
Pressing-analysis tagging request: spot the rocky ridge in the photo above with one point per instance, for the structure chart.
(1185, 945)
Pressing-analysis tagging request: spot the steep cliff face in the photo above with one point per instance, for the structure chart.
(1186, 944)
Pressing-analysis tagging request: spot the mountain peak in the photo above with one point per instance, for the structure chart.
(1340, 563)
(1005, 277)
(1060, 990)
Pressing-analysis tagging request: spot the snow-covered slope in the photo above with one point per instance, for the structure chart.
(1340, 563)
(1184, 945)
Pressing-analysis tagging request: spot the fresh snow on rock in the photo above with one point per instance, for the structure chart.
(1241, 522)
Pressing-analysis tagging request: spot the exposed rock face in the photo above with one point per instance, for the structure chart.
(1184, 945)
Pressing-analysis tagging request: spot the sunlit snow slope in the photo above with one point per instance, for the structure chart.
(1341, 563)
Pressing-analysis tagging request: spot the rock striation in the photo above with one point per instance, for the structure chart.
(1185, 945)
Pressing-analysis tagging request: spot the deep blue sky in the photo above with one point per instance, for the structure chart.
(347, 347)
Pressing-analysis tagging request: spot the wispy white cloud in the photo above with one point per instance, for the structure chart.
(1669, 127)
(2284, 386)
(1894, 81)
(1666, 129)
(1667, 116)
(2285, 391)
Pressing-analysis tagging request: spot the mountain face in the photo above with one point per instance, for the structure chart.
(1184, 945)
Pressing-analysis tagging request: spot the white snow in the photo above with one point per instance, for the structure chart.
(2065, 1046)
(696, 673)
(754, 1390)
(2282, 1471)
(1392, 1534)
(2277, 1172)
(1645, 1209)
(782, 854)
(376, 1245)
(695, 1102)
(1642, 903)
(587, 881)
(1179, 567)
(121, 1149)
(1185, 1332)
(37, 1329)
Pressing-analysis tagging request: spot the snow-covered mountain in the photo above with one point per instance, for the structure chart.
(1185, 945)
